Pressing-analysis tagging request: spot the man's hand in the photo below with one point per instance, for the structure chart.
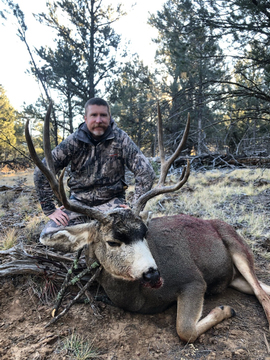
(59, 217)
(124, 206)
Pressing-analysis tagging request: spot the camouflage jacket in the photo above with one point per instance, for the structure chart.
(97, 170)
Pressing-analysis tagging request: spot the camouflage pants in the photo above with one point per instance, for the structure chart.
(76, 219)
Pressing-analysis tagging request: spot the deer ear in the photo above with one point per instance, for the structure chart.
(71, 238)
(146, 216)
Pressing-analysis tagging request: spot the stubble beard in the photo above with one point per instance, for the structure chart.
(99, 130)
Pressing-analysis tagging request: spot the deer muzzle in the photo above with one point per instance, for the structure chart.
(152, 279)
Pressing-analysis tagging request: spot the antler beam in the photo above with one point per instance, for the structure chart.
(165, 166)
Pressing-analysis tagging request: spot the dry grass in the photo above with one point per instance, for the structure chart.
(79, 347)
(6, 198)
(10, 178)
(34, 221)
(231, 196)
(23, 203)
(228, 195)
(9, 239)
(34, 225)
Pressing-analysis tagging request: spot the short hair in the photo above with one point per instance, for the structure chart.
(96, 101)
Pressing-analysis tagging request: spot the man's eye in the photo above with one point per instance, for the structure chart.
(113, 244)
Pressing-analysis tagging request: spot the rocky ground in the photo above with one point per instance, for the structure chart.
(117, 335)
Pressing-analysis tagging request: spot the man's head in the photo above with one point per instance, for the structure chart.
(97, 116)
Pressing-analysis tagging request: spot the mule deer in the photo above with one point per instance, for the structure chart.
(172, 259)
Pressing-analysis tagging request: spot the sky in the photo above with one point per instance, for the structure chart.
(21, 87)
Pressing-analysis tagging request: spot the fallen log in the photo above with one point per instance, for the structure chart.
(21, 260)
(211, 161)
(20, 267)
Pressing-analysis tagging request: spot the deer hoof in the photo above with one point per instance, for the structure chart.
(230, 311)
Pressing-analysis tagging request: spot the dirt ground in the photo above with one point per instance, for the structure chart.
(119, 335)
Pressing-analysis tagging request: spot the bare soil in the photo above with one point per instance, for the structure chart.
(120, 335)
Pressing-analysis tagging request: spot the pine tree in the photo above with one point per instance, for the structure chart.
(246, 24)
(7, 126)
(62, 73)
(193, 59)
(86, 30)
(132, 97)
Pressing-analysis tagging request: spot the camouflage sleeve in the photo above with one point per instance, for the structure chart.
(61, 156)
(44, 192)
(140, 166)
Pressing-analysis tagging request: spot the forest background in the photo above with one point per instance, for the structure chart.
(212, 61)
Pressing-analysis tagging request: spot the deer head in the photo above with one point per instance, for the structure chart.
(115, 238)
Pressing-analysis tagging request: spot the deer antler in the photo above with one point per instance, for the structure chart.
(49, 171)
(165, 166)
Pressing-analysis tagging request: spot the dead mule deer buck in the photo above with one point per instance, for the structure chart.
(174, 259)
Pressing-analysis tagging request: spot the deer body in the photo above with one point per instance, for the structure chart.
(186, 251)
(194, 257)
(177, 259)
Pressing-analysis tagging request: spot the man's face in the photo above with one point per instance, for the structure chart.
(97, 119)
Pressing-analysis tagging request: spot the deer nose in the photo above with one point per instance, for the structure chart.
(152, 276)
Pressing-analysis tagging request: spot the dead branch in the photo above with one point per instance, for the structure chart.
(17, 163)
(213, 161)
(65, 283)
(14, 188)
(20, 267)
(77, 297)
(21, 260)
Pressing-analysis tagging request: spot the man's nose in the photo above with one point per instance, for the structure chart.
(98, 119)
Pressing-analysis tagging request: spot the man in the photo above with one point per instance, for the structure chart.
(98, 153)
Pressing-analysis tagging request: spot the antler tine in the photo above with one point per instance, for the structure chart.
(162, 190)
(160, 136)
(81, 209)
(49, 175)
(49, 172)
(46, 140)
(165, 166)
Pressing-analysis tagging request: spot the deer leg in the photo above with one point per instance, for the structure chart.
(240, 284)
(215, 316)
(265, 287)
(189, 309)
(259, 289)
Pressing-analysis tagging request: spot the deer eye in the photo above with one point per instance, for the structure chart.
(113, 243)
